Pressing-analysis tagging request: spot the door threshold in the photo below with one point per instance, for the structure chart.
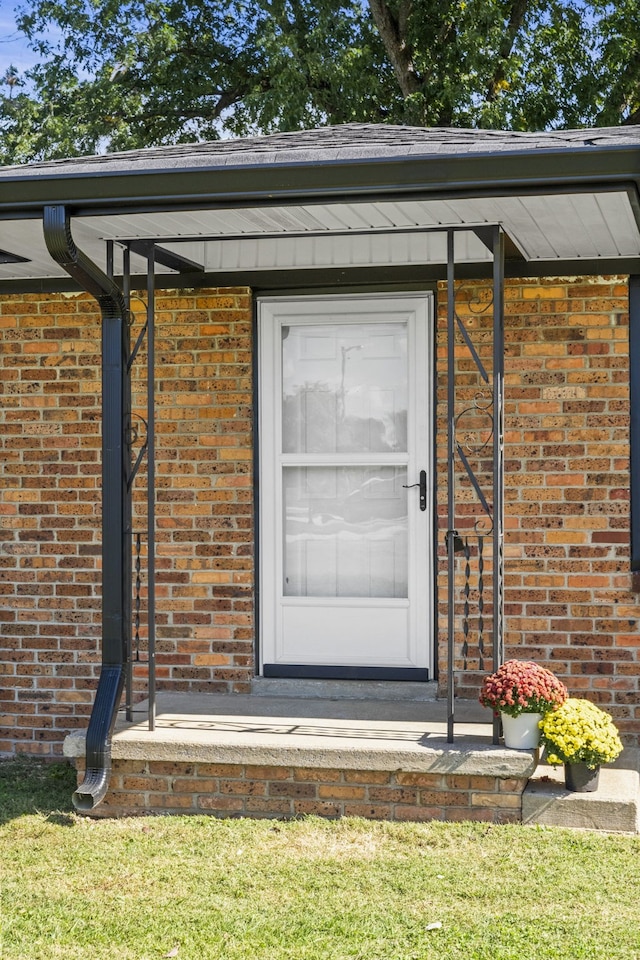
(343, 689)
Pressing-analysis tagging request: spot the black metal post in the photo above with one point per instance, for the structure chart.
(634, 409)
(146, 249)
(451, 474)
(498, 456)
(151, 487)
(126, 293)
(109, 244)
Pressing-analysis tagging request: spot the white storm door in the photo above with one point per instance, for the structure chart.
(345, 530)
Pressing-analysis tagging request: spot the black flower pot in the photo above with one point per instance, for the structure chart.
(579, 778)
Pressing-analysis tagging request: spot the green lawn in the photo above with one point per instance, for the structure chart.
(197, 888)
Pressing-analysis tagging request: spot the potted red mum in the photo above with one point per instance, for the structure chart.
(522, 692)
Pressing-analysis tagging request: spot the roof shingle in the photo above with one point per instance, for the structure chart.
(354, 141)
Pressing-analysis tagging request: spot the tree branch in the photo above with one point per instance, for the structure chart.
(394, 37)
(519, 9)
(205, 112)
(616, 99)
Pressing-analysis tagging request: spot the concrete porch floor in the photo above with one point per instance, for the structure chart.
(304, 730)
(315, 731)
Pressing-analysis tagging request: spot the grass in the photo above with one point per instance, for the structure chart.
(197, 888)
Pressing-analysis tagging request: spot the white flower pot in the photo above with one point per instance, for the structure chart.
(522, 732)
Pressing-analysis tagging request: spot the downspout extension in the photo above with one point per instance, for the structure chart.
(93, 788)
(116, 503)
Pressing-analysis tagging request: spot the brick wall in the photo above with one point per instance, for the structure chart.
(204, 491)
(570, 598)
(139, 786)
(50, 505)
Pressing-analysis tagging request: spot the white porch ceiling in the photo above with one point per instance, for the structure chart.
(598, 225)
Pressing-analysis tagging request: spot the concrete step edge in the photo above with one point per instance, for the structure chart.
(343, 689)
(613, 808)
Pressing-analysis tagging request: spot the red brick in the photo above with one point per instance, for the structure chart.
(338, 792)
(268, 773)
(284, 789)
(419, 814)
(320, 775)
(392, 795)
(220, 804)
(249, 788)
(367, 776)
(170, 801)
(268, 807)
(195, 785)
(144, 783)
(369, 811)
(432, 780)
(316, 808)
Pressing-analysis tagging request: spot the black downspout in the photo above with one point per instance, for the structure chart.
(116, 501)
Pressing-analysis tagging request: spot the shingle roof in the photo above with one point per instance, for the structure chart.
(353, 141)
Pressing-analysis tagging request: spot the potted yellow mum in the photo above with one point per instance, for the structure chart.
(582, 737)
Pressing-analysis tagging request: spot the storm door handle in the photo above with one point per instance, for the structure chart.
(423, 488)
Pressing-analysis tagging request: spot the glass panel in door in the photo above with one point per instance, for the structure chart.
(344, 388)
(346, 532)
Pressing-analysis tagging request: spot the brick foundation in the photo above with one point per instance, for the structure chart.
(235, 790)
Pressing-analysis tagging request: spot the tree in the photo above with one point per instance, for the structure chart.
(120, 74)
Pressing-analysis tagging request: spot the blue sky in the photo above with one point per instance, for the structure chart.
(13, 46)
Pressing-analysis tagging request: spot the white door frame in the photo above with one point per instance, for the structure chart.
(417, 660)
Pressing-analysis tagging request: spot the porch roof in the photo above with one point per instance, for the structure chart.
(340, 201)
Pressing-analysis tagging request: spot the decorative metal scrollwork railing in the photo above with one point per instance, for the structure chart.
(140, 440)
(475, 471)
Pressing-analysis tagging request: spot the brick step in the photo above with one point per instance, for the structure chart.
(614, 807)
(278, 756)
